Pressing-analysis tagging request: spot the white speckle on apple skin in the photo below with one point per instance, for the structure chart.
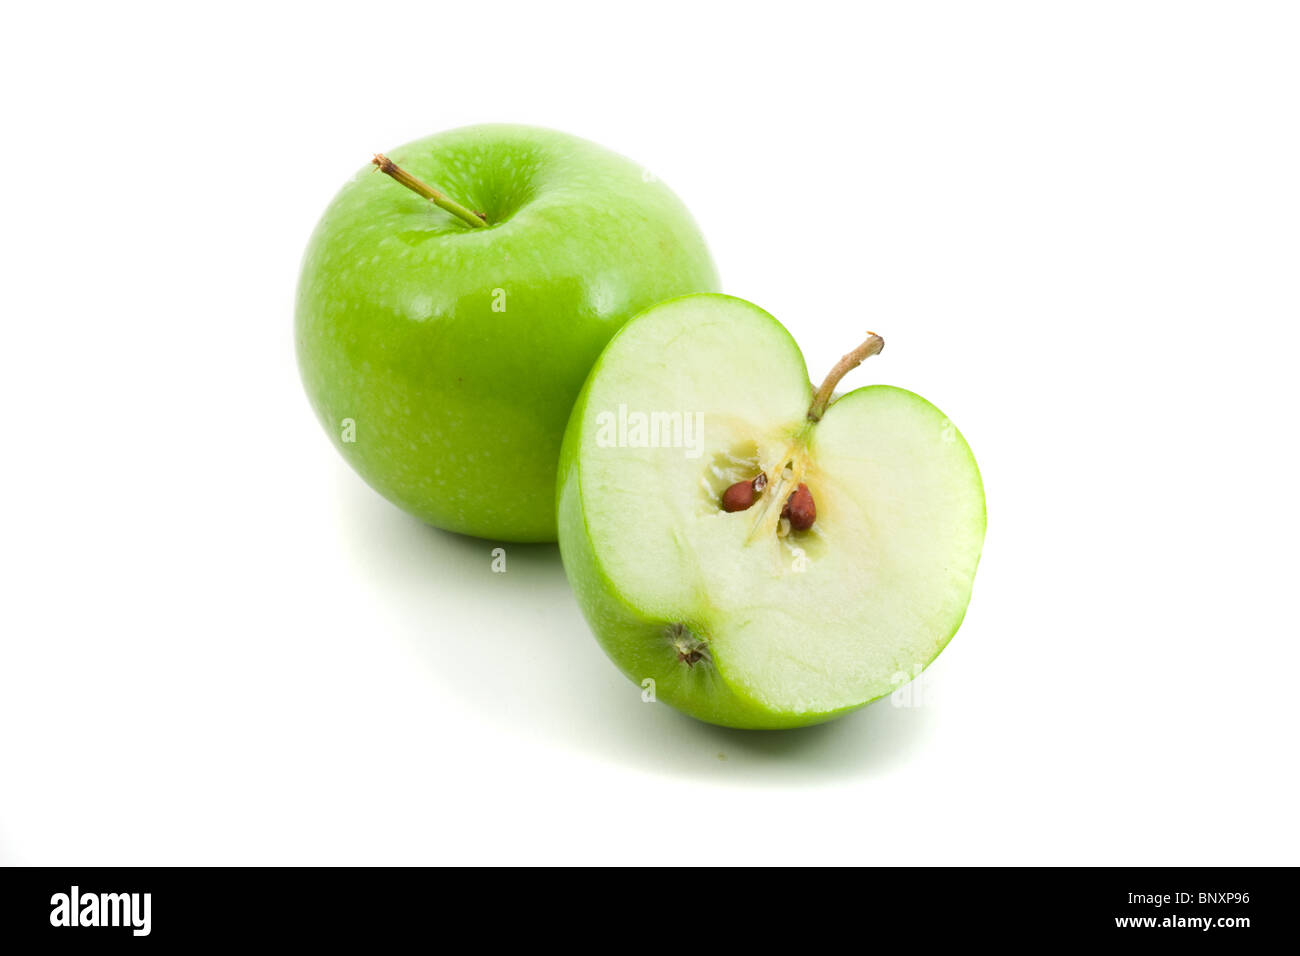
(420, 307)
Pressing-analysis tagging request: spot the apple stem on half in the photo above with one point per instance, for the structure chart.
(439, 199)
(872, 346)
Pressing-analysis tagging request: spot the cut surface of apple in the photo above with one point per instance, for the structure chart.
(738, 618)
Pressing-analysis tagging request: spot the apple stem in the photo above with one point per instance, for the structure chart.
(439, 199)
(870, 347)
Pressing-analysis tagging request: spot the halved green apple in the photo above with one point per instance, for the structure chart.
(758, 616)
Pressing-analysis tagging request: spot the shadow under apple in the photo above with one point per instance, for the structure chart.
(511, 645)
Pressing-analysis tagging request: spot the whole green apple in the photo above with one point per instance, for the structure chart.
(445, 328)
(765, 556)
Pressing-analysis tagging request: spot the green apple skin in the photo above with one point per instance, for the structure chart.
(443, 359)
(899, 532)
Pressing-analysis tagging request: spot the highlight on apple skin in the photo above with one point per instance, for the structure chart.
(829, 583)
(453, 298)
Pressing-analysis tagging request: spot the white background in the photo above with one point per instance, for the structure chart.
(1077, 225)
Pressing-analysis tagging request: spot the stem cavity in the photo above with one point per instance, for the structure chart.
(439, 199)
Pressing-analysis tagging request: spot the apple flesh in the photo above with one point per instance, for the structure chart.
(443, 359)
(739, 618)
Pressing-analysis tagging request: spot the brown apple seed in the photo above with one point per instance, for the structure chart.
(800, 509)
(741, 495)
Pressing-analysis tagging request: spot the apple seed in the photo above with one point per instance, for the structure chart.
(800, 509)
(741, 495)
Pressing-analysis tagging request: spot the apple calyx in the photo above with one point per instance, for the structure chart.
(421, 188)
(690, 649)
(872, 346)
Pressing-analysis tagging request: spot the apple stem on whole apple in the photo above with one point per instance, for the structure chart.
(418, 186)
(872, 346)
